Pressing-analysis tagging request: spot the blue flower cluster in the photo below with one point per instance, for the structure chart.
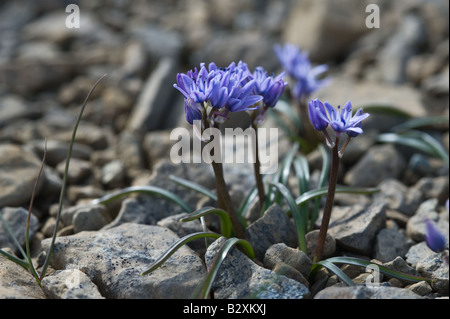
(341, 120)
(298, 66)
(230, 89)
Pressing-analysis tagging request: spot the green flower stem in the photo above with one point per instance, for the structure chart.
(329, 202)
(224, 200)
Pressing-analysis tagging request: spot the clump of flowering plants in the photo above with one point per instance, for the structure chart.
(210, 94)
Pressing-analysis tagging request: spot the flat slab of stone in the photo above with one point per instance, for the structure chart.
(114, 260)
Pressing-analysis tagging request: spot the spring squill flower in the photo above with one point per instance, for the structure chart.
(342, 120)
(224, 89)
(298, 66)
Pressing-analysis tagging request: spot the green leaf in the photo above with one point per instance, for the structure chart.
(421, 141)
(247, 202)
(382, 269)
(13, 237)
(302, 171)
(64, 182)
(383, 109)
(220, 257)
(13, 258)
(304, 198)
(281, 176)
(177, 245)
(333, 268)
(428, 121)
(298, 218)
(193, 186)
(225, 221)
(146, 189)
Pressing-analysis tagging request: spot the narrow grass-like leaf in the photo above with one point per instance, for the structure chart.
(220, 257)
(27, 232)
(247, 202)
(225, 222)
(304, 198)
(421, 122)
(281, 177)
(419, 140)
(382, 269)
(297, 214)
(302, 171)
(13, 258)
(383, 109)
(284, 109)
(64, 182)
(13, 237)
(177, 245)
(333, 268)
(193, 186)
(145, 189)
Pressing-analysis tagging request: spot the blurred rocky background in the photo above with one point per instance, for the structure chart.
(46, 70)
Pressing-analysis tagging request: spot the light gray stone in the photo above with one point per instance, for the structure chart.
(295, 258)
(114, 259)
(385, 162)
(69, 284)
(418, 252)
(354, 227)
(435, 268)
(154, 101)
(398, 196)
(239, 277)
(19, 170)
(114, 174)
(416, 229)
(90, 218)
(274, 227)
(390, 243)
(329, 246)
(16, 218)
(17, 283)
(421, 288)
(363, 292)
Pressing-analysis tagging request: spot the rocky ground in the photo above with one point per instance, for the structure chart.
(47, 69)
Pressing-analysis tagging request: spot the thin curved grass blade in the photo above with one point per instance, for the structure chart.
(13, 258)
(302, 172)
(281, 176)
(420, 141)
(421, 122)
(221, 255)
(297, 214)
(225, 222)
(247, 202)
(145, 189)
(334, 269)
(382, 269)
(383, 109)
(64, 182)
(304, 198)
(13, 237)
(177, 245)
(193, 186)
